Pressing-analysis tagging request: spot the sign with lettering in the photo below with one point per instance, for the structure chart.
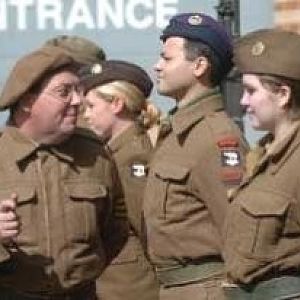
(92, 15)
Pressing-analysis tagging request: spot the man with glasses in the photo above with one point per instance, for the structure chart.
(60, 201)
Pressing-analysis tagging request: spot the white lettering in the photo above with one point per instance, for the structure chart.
(116, 17)
(49, 10)
(165, 10)
(90, 15)
(3, 15)
(132, 20)
(80, 14)
(21, 12)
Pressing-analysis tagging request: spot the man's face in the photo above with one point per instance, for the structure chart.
(55, 107)
(100, 114)
(175, 74)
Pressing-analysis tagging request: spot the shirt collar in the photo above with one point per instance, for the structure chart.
(272, 151)
(195, 110)
(26, 147)
(129, 133)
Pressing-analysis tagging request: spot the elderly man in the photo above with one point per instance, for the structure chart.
(196, 163)
(60, 203)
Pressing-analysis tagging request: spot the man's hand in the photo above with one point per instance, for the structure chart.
(9, 222)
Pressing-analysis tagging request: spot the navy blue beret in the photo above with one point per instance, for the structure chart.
(203, 28)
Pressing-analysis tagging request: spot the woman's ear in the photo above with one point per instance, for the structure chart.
(284, 96)
(201, 65)
(118, 104)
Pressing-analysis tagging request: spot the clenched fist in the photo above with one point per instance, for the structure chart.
(9, 222)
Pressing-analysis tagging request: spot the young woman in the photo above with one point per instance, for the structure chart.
(117, 111)
(262, 233)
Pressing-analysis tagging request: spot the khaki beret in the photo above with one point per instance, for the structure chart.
(113, 70)
(269, 51)
(81, 49)
(29, 70)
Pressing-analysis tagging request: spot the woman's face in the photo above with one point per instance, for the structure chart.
(261, 104)
(99, 114)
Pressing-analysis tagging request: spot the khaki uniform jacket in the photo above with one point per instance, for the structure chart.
(131, 276)
(185, 197)
(263, 224)
(65, 205)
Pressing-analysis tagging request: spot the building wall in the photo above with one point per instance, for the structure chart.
(287, 14)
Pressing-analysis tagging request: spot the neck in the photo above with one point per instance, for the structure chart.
(282, 128)
(193, 92)
(120, 126)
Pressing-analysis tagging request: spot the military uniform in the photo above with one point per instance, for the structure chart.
(131, 276)
(185, 198)
(262, 232)
(65, 206)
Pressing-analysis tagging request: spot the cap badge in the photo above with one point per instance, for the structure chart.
(195, 20)
(258, 48)
(96, 69)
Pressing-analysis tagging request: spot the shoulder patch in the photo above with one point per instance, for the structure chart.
(230, 159)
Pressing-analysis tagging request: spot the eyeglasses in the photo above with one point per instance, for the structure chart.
(65, 92)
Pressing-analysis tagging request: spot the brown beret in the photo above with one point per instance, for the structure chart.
(29, 70)
(269, 51)
(112, 70)
(81, 49)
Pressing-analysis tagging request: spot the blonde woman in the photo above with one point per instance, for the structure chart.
(118, 112)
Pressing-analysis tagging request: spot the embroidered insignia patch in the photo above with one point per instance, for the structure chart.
(138, 170)
(230, 159)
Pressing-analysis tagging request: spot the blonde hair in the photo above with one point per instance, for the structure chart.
(137, 106)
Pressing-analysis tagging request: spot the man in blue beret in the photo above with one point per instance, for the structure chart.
(198, 162)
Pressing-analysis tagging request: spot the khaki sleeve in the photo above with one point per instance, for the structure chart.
(220, 169)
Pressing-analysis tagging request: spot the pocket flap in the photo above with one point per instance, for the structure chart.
(24, 192)
(171, 171)
(86, 190)
(266, 203)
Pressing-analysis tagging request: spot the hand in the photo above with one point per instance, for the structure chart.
(9, 222)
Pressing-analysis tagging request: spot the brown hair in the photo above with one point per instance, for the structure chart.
(273, 84)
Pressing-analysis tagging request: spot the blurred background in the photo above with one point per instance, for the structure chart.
(128, 29)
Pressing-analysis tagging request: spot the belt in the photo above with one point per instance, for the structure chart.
(274, 289)
(83, 293)
(178, 275)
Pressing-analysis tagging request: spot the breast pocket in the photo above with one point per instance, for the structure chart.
(171, 188)
(26, 211)
(261, 223)
(85, 203)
